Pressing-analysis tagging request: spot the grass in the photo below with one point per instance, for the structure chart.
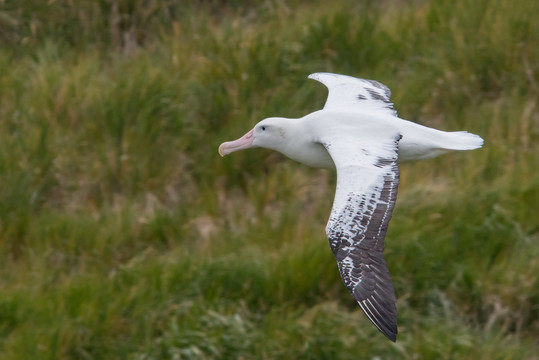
(123, 234)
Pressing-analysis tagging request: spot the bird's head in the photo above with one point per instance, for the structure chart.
(270, 133)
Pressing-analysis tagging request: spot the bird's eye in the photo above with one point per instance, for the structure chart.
(263, 128)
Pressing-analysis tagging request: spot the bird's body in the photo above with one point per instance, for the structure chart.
(418, 142)
(359, 134)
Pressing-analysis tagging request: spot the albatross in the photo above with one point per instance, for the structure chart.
(359, 134)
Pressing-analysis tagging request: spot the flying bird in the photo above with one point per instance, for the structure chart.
(359, 134)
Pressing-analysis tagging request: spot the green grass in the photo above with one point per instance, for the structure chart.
(124, 235)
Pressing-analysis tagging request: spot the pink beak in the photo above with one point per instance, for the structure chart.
(244, 142)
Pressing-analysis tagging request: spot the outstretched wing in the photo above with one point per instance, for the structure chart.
(367, 181)
(345, 91)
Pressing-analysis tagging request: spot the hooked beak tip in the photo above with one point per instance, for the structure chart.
(222, 151)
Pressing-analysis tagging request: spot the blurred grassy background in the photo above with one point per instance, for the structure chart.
(123, 234)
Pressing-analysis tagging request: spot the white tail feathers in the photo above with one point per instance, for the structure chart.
(462, 140)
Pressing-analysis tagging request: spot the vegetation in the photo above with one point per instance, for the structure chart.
(123, 234)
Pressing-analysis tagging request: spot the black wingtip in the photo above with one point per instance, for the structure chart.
(391, 336)
(389, 332)
(385, 321)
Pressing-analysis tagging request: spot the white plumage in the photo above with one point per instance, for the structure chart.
(359, 134)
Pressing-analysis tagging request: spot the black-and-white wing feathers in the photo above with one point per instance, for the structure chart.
(347, 91)
(367, 181)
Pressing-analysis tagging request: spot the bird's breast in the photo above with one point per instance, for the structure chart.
(311, 154)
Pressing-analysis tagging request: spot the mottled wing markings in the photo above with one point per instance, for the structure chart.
(350, 91)
(382, 87)
(356, 232)
(376, 95)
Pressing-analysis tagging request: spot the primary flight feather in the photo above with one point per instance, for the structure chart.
(359, 134)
